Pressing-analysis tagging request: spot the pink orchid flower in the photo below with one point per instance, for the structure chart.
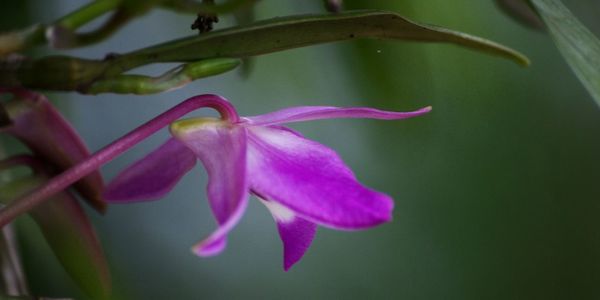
(303, 183)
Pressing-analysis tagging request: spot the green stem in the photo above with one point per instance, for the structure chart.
(87, 13)
(125, 10)
(175, 78)
(36, 34)
(64, 38)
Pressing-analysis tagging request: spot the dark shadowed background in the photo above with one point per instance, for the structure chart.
(497, 190)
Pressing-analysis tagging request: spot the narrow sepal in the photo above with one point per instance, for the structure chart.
(309, 113)
(153, 176)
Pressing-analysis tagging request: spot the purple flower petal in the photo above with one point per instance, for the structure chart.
(222, 150)
(153, 176)
(296, 233)
(208, 248)
(311, 180)
(306, 113)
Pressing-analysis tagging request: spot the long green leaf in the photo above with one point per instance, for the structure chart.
(578, 45)
(297, 31)
(69, 234)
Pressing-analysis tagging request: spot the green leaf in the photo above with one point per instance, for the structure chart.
(578, 45)
(298, 31)
(522, 12)
(69, 234)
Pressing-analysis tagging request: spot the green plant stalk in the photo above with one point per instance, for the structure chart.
(577, 44)
(63, 38)
(125, 10)
(87, 13)
(70, 73)
(36, 34)
(173, 79)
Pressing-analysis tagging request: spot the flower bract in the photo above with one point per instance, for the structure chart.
(36, 123)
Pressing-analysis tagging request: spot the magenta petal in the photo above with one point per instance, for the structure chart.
(311, 180)
(153, 176)
(306, 113)
(210, 248)
(296, 235)
(222, 150)
(295, 232)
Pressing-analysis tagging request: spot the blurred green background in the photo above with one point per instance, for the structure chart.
(497, 190)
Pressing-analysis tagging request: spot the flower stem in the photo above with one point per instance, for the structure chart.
(175, 78)
(108, 153)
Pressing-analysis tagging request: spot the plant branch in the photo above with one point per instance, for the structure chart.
(36, 34)
(258, 38)
(61, 34)
(64, 38)
(87, 13)
(172, 79)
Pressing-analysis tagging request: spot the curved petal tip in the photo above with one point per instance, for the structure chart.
(213, 248)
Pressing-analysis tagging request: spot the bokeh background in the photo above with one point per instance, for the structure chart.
(497, 190)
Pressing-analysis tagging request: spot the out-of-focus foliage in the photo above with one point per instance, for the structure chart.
(69, 234)
(578, 45)
(522, 12)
